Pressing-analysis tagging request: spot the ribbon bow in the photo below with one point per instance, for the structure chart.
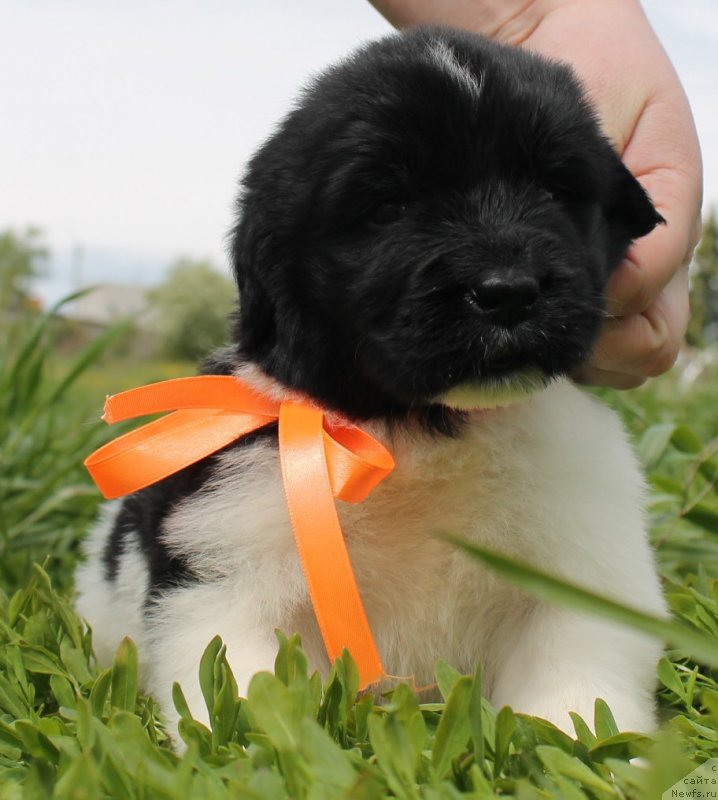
(320, 459)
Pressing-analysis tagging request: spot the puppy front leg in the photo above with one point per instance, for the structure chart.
(558, 661)
(180, 626)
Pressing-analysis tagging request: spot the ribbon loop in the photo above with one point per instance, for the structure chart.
(357, 462)
(201, 391)
(159, 449)
(319, 461)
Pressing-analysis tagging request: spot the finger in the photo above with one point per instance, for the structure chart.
(647, 344)
(588, 376)
(670, 171)
(653, 261)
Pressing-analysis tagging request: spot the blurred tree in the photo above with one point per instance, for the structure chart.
(192, 306)
(703, 327)
(21, 260)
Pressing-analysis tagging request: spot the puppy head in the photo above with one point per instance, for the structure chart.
(434, 224)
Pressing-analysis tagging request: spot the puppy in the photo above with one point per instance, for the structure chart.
(422, 247)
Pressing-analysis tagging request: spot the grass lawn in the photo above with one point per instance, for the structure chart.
(71, 729)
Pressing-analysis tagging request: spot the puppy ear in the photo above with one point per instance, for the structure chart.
(629, 210)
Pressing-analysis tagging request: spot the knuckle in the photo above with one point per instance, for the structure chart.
(661, 360)
(635, 384)
(629, 381)
(637, 304)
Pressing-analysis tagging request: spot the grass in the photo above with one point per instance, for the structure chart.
(72, 729)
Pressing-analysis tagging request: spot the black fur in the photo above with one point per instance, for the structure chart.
(402, 233)
(143, 513)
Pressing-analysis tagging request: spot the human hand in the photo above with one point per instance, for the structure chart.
(645, 113)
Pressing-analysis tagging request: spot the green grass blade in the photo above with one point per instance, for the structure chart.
(123, 685)
(557, 590)
(454, 727)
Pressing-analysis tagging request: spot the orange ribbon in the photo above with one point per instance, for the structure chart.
(320, 459)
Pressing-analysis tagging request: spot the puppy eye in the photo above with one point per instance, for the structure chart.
(386, 213)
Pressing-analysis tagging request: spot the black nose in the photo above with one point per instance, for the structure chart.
(508, 297)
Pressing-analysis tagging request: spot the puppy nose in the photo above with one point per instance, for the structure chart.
(507, 297)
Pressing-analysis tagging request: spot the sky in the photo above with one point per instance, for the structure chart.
(125, 126)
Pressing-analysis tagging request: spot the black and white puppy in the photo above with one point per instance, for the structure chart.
(422, 247)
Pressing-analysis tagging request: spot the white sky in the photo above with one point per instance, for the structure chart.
(125, 125)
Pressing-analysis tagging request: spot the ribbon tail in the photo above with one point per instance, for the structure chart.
(322, 550)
